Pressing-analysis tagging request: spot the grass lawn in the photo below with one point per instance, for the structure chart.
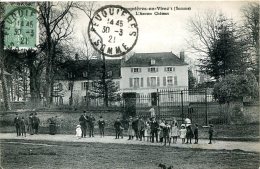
(48, 155)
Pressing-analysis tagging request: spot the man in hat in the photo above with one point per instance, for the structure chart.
(36, 122)
(210, 133)
(83, 123)
(91, 121)
(17, 123)
(154, 129)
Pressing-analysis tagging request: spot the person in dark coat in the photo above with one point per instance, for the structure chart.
(189, 134)
(210, 133)
(91, 123)
(23, 127)
(135, 127)
(141, 127)
(101, 126)
(154, 129)
(196, 134)
(30, 124)
(36, 123)
(118, 126)
(17, 123)
(83, 123)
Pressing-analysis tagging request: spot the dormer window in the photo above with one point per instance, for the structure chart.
(152, 62)
(70, 75)
(85, 74)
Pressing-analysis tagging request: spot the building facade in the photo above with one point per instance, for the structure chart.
(77, 81)
(144, 73)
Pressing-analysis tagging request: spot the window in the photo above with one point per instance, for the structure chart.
(60, 87)
(136, 82)
(84, 85)
(169, 81)
(70, 75)
(85, 74)
(169, 69)
(152, 69)
(136, 70)
(153, 81)
(152, 62)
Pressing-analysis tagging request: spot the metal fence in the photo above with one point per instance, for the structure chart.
(198, 105)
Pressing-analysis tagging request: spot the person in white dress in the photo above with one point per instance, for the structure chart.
(78, 131)
(183, 132)
(174, 132)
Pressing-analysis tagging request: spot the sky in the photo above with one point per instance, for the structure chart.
(165, 33)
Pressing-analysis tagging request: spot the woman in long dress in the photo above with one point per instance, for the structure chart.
(130, 130)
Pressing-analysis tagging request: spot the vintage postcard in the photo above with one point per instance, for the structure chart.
(129, 84)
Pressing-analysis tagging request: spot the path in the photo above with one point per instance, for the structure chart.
(203, 144)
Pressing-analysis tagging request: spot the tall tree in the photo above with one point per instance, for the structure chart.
(88, 9)
(227, 55)
(2, 56)
(251, 13)
(56, 23)
(221, 45)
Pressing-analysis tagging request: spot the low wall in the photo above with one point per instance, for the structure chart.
(66, 120)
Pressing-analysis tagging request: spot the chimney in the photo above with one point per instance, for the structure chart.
(76, 56)
(182, 57)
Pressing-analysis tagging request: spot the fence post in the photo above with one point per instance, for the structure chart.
(206, 107)
(158, 103)
(182, 113)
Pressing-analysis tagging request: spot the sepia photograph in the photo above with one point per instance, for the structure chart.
(129, 84)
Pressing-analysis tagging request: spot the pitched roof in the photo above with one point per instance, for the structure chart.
(95, 69)
(161, 59)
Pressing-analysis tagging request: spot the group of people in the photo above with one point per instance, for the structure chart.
(89, 122)
(164, 131)
(148, 129)
(32, 124)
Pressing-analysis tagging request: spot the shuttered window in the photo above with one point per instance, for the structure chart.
(175, 80)
(158, 81)
(148, 81)
(164, 81)
(142, 82)
(153, 69)
(130, 82)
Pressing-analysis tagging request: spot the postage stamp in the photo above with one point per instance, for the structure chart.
(113, 30)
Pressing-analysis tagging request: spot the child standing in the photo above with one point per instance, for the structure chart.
(210, 133)
(118, 127)
(147, 131)
(166, 132)
(78, 131)
(183, 133)
(174, 132)
(23, 127)
(196, 134)
(101, 126)
(160, 133)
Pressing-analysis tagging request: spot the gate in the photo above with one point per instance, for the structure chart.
(178, 104)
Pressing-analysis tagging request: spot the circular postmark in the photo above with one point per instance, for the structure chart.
(113, 30)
